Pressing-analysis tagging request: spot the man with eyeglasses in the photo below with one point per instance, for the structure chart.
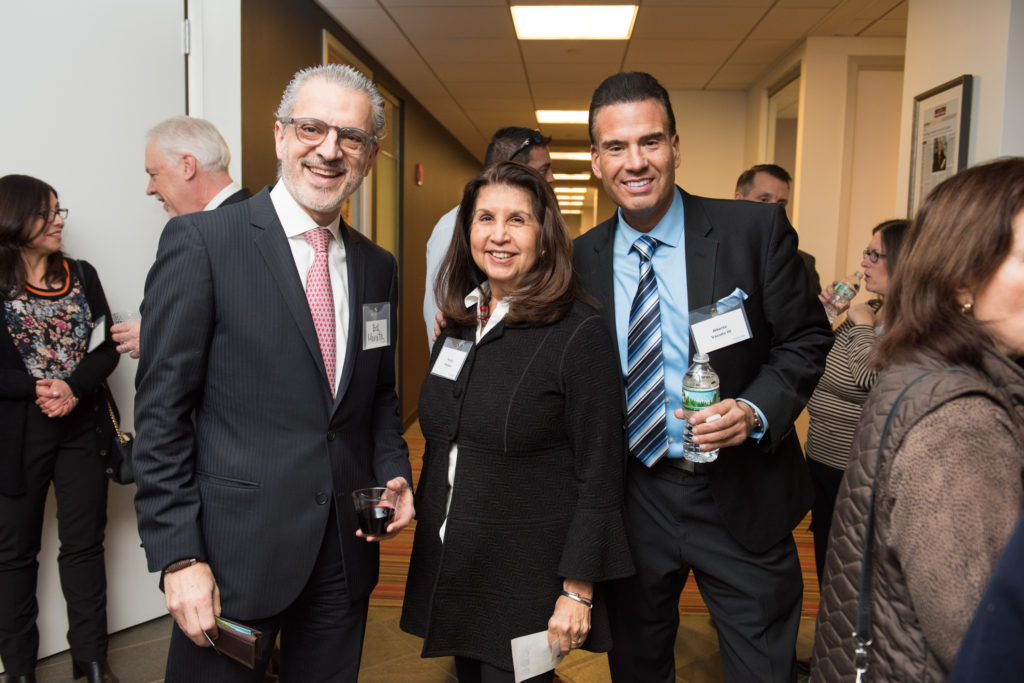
(187, 163)
(266, 396)
(507, 144)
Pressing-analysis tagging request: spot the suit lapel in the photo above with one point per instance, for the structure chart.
(602, 274)
(355, 264)
(701, 253)
(272, 244)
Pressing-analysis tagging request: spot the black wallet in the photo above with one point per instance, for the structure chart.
(237, 641)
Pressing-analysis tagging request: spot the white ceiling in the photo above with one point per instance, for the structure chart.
(461, 60)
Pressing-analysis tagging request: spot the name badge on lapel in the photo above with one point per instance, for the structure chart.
(721, 324)
(451, 359)
(376, 332)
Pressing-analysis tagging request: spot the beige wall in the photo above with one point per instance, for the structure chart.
(948, 38)
(825, 172)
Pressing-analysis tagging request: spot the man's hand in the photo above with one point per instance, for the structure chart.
(193, 599)
(127, 337)
(404, 512)
(439, 324)
(732, 429)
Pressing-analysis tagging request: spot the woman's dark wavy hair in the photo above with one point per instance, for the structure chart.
(546, 292)
(22, 199)
(893, 232)
(960, 236)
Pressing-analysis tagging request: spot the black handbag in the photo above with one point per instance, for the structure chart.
(117, 451)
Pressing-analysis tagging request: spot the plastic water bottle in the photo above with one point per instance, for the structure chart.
(842, 293)
(700, 390)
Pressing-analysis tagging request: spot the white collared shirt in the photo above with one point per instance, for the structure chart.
(296, 222)
(219, 198)
(474, 298)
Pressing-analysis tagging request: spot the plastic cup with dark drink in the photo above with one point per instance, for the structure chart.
(375, 508)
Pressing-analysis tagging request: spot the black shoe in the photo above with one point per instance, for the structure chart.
(23, 678)
(94, 672)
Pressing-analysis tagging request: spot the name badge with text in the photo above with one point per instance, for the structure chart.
(376, 332)
(717, 331)
(451, 359)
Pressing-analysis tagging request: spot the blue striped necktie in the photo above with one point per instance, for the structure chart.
(645, 367)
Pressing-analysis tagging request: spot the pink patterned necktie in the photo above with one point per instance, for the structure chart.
(321, 298)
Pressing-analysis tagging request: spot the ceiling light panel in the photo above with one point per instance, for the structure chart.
(562, 116)
(573, 22)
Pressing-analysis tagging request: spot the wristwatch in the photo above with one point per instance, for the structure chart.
(758, 422)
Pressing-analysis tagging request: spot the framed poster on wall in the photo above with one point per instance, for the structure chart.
(940, 136)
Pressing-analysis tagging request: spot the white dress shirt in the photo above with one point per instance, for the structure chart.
(296, 222)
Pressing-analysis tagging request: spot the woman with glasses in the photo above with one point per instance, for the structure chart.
(934, 484)
(836, 403)
(55, 353)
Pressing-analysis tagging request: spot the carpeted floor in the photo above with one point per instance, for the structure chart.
(394, 556)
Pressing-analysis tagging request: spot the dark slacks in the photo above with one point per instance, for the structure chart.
(474, 671)
(826, 488)
(321, 632)
(754, 598)
(62, 451)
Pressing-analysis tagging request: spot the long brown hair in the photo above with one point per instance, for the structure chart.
(960, 236)
(546, 292)
(22, 200)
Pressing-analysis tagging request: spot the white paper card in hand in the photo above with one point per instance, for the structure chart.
(532, 656)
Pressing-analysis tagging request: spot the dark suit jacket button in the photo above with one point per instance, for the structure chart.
(321, 498)
(330, 436)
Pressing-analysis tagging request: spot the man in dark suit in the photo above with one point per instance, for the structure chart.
(187, 162)
(729, 520)
(261, 406)
(769, 184)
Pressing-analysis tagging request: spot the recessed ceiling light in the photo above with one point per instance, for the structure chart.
(573, 22)
(571, 156)
(572, 212)
(569, 203)
(562, 116)
(572, 176)
(570, 190)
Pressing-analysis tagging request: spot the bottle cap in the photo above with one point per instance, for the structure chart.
(700, 357)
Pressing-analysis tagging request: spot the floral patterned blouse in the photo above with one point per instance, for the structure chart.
(50, 327)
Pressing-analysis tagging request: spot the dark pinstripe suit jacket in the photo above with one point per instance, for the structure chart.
(240, 446)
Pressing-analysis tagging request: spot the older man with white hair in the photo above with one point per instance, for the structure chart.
(187, 162)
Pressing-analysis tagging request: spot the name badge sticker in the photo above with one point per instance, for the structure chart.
(376, 330)
(451, 359)
(721, 324)
(98, 334)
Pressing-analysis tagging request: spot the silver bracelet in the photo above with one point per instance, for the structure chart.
(579, 598)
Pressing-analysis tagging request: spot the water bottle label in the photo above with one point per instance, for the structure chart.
(841, 288)
(696, 399)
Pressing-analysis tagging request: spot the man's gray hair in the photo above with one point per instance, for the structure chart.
(340, 75)
(180, 135)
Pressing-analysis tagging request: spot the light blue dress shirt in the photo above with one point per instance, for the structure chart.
(669, 262)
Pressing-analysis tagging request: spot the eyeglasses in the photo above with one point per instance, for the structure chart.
(535, 139)
(872, 255)
(51, 216)
(314, 131)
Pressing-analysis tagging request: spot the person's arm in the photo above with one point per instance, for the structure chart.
(437, 247)
(799, 341)
(596, 547)
(859, 339)
(96, 365)
(391, 454)
(179, 308)
(956, 491)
